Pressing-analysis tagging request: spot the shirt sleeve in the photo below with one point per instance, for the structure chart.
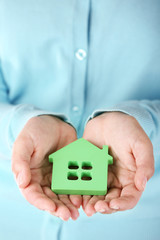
(146, 112)
(14, 117)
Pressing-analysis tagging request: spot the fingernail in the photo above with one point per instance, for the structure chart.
(102, 210)
(114, 207)
(51, 210)
(61, 218)
(144, 183)
(114, 211)
(64, 219)
(20, 178)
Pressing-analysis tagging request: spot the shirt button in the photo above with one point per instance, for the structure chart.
(75, 108)
(80, 54)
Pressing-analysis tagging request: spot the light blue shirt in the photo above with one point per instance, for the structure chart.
(76, 58)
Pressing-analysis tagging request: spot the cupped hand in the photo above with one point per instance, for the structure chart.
(40, 137)
(133, 161)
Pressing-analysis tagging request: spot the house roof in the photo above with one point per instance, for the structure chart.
(82, 147)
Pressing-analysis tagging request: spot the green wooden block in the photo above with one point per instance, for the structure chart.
(80, 168)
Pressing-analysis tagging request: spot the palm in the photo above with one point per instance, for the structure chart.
(41, 173)
(39, 143)
(121, 184)
(122, 192)
(121, 187)
(121, 174)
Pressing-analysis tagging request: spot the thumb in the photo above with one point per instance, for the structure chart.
(143, 153)
(21, 155)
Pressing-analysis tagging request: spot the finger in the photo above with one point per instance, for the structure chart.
(62, 210)
(35, 196)
(76, 200)
(143, 153)
(128, 199)
(102, 206)
(89, 208)
(73, 210)
(21, 155)
(86, 199)
(113, 181)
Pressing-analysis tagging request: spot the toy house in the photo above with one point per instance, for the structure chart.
(80, 168)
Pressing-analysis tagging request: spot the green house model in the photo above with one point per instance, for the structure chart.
(80, 168)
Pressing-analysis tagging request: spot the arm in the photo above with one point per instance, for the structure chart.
(13, 118)
(125, 128)
(28, 140)
(146, 112)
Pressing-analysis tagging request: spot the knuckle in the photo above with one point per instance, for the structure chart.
(13, 164)
(33, 120)
(13, 168)
(89, 124)
(92, 127)
(143, 144)
(151, 173)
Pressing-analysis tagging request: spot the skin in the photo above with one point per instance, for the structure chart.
(133, 165)
(130, 147)
(40, 137)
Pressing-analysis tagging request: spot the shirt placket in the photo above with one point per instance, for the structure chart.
(80, 57)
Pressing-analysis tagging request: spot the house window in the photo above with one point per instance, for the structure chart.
(72, 176)
(86, 166)
(73, 165)
(86, 176)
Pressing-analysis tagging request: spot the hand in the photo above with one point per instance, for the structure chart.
(133, 161)
(40, 137)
